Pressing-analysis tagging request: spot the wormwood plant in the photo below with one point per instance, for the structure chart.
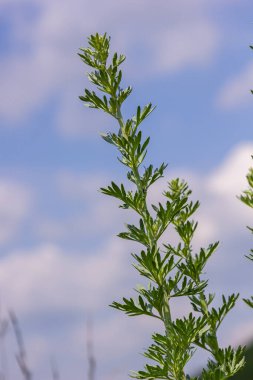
(171, 271)
(247, 198)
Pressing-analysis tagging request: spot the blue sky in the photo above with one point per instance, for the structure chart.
(60, 261)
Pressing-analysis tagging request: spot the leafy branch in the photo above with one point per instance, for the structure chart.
(247, 198)
(171, 271)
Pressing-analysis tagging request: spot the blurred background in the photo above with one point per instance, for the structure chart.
(61, 263)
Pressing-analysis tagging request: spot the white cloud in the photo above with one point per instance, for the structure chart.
(177, 54)
(78, 186)
(15, 204)
(229, 179)
(96, 213)
(46, 279)
(236, 92)
(163, 39)
(101, 219)
(221, 188)
(74, 120)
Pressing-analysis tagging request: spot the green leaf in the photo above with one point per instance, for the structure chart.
(134, 308)
(142, 114)
(248, 301)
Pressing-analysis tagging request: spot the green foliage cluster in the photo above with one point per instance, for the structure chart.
(171, 271)
(247, 198)
(246, 372)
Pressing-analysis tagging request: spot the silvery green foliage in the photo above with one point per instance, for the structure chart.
(172, 271)
(247, 198)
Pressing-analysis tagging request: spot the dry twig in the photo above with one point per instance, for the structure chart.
(21, 355)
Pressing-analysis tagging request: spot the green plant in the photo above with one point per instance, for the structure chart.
(171, 271)
(247, 198)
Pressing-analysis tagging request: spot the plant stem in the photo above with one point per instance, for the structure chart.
(166, 317)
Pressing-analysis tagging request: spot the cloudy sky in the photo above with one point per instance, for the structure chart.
(61, 263)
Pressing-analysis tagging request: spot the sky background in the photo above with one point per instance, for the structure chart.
(61, 263)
